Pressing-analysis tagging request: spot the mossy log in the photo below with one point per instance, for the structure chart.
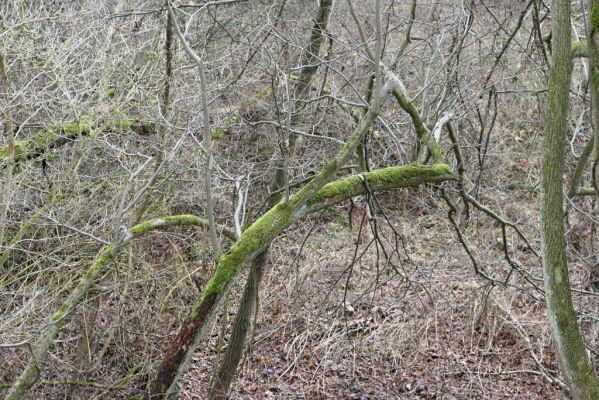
(43, 344)
(46, 139)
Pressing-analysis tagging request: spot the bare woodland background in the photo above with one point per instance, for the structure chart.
(368, 300)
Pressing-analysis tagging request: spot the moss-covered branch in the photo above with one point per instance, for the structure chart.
(43, 344)
(377, 180)
(400, 93)
(586, 191)
(48, 138)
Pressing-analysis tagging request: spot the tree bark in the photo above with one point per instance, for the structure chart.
(569, 344)
(593, 47)
(10, 152)
(224, 375)
(205, 128)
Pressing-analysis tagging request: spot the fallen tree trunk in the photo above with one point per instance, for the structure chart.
(258, 236)
(46, 139)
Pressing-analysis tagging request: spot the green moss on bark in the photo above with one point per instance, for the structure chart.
(76, 128)
(594, 41)
(386, 178)
(224, 126)
(120, 124)
(21, 147)
(264, 92)
(390, 176)
(59, 314)
(594, 18)
(47, 138)
(253, 239)
(578, 45)
(579, 49)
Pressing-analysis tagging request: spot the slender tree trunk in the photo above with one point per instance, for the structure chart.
(207, 133)
(310, 62)
(224, 375)
(570, 347)
(164, 106)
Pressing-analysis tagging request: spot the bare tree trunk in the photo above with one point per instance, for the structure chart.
(310, 62)
(206, 130)
(593, 45)
(570, 347)
(164, 105)
(224, 375)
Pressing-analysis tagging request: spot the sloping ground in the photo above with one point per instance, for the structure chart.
(425, 328)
